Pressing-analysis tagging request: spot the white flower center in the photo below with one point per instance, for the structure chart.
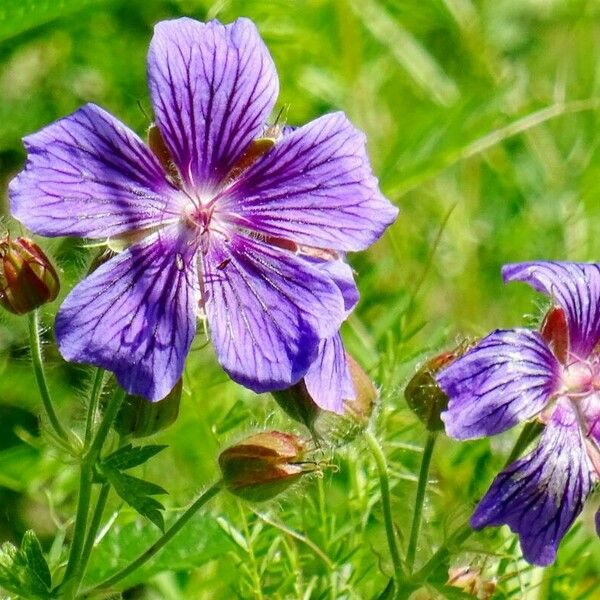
(580, 378)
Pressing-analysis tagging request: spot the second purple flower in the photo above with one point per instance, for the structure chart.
(552, 375)
(222, 215)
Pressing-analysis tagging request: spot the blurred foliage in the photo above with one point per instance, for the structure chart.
(482, 122)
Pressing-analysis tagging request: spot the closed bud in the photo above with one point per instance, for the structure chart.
(298, 404)
(27, 278)
(343, 429)
(337, 429)
(361, 408)
(423, 394)
(140, 418)
(264, 465)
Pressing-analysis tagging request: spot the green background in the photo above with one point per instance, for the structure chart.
(482, 122)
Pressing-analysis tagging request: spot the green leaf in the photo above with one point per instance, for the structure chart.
(200, 541)
(138, 494)
(17, 16)
(34, 557)
(130, 456)
(25, 571)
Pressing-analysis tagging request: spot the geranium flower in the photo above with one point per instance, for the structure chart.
(552, 375)
(220, 213)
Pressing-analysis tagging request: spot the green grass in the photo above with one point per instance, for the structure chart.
(483, 127)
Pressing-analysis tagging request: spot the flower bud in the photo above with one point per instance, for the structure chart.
(140, 418)
(344, 428)
(327, 425)
(27, 278)
(361, 408)
(298, 404)
(423, 394)
(263, 465)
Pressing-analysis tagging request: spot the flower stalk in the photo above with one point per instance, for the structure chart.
(420, 499)
(386, 504)
(75, 565)
(528, 434)
(40, 377)
(93, 406)
(163, 540)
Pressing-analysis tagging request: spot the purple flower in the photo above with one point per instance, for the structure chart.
(222, 213)
(552, 375)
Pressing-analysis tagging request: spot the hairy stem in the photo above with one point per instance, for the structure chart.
(163, 540)
(384, 484)
(420, 499)
(40, 377)
(93, 405)
(72, 575)
(92, 533)
(528, 434)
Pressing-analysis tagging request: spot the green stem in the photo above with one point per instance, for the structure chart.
(386, 504)
(162, 540)
(527, 435)
(38, 369)
(93, 405)
(86, 478)
(420, 499)
(71, 577)
(91, 535)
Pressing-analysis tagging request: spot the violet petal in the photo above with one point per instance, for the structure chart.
(89, 175)
(267, 311)
(506, 378)
(314, 187)
(540, 496)
(135, 315)
(328, 380)
(573, 286)
(213, 87)
(342, 275)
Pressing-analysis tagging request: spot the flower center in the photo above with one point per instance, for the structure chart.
(580, 378)
(200, 217)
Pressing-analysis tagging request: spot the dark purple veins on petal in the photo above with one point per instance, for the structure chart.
(573, 286)
(267, 311)
(315, 187)
(213, 87)
(540, 495)
(135, 315)
(89, 175)
(508, 377)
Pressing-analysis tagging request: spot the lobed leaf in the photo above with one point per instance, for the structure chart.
(138, 494)
(25, 571)
(130, 456)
